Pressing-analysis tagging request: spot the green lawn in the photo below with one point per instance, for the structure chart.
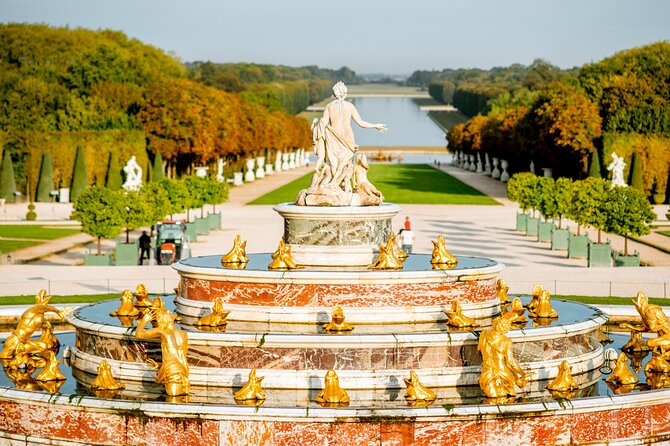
(665, 233)
(36, 231)
(13, 245)
(400, 183)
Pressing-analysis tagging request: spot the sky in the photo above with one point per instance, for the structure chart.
(369, 36)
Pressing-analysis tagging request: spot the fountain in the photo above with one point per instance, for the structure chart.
(322, 342)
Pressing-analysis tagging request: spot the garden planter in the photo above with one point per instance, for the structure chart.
(578, 246)
(521, 222)
(202, 226)
(127, 254)
(214, 221)
(600, 254)
(559, 239)
(622, 260)
(532, 226)
(238, 178)
(98, 260)
(544, 231)
(191, 232)
(659, 198)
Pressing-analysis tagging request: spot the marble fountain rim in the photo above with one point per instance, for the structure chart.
(377, 379)
(347, 340)
(338, 277)
(321, 414)
(292, 211)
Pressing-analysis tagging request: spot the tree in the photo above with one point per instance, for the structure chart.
(135, 212)
(628, 212)
(7, 183)
(547, 203)
(113, 178)
(177, 195)
(588, 197)
(158, 168)
(563, 194)
(100, 212)
(197, 190)
(523, 188)
(636, 173)
(215, 192)
(594, 167)
(79, 176)
(45, 184)
(157, 201)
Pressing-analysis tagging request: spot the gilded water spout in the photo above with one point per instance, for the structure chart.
(456, 318)
(387, 259)
(105, 380)
(127, 308)
(141, 296)
(51, 371)
(516, 313)
(237, 254)
(417, 392)
(441, 256)
(542, 307)
(283, 258)
(337, 324)
(501, 292)
(564, 381)
(217, 318)
(621, 373)
(332, 394)
(252, 390)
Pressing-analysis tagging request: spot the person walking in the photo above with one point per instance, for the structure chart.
(145, 246)
(406, 240)
(408, 224)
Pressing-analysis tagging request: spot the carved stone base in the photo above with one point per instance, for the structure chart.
(328, 197)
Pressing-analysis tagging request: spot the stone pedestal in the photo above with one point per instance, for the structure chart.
(504, 176)
(238, 178)
(278, 161)
(268, 169)
(291, 160)
(495, 174)
(336, 236)
(249, 175)
(284, 161)
(260, 167)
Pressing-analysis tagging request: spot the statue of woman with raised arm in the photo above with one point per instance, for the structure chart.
(335, 148)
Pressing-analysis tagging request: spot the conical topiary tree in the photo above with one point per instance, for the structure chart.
(158, 168)
(79, 176)
(7, 183)
(594, 168)
(45, 183)
(113, 178)
(635, 179)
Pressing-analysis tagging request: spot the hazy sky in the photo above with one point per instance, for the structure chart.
(369, 36)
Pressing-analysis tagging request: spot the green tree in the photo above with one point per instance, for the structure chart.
(522, 188)
(197, 190)
(45, 184)
(135, 212)
(215, 192)
(7, 183)
(563, 194)
(157, 201)
(79, 176)
(636, 173)
(587, 208)
(158, 168)
(594, 167)
(627, 212)
(100, 212)
(113, 178)
(547, 203)
(177, 195)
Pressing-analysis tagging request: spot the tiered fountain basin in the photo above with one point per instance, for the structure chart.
(373, 361)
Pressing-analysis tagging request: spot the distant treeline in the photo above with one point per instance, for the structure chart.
(61, 88)
(570, 123)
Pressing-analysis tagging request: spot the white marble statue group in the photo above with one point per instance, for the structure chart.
(340, 175)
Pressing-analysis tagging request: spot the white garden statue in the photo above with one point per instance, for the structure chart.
(335, 149)
(616, 167)
(133, 173)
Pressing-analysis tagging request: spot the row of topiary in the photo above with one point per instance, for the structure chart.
(104, 212)
(623, 211)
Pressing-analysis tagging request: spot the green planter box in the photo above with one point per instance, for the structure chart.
(578, 246)
(127, 254)
(600, 254)
(521, 222)
(621, 260)
(191, 232)
(98, 260)
(532, 226)
(202, 226)
(544, 231)
(214, 221)
(559, 239)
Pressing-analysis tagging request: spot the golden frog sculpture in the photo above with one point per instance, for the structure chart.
(542, 308)
(500, 371)
(237, 254)
(516, 312)
(564, 381)
(127, 308)
(636, 343)
(535, 299)
(282, 258)
(337, 324)
(501, 292)
(48, 339)
(252, 390)
(387, 259)
(105, 380)
(51, 372)
(399, 253)
(456, 318)
(142, 296)
(332, 394)
(441, 256)
(173, 372)
(217, 318)
(621, 373)
(657, 363)
(417, 392)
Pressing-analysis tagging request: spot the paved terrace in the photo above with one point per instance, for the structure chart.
(486, 231)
